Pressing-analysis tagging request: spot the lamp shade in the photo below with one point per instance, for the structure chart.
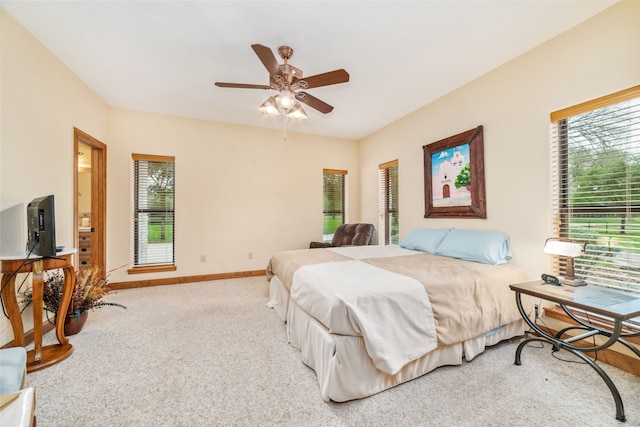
(558, 247)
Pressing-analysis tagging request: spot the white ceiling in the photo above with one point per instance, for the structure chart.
(164, 56)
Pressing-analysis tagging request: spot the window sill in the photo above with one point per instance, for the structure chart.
(151, 269)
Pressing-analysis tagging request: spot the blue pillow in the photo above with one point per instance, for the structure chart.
(488, 247)
(424, 239)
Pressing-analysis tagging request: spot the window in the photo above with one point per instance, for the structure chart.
(388, 226)
(153, 213)
(595, 157)
(333, 201)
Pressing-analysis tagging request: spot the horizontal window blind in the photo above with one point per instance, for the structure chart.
(595, 166)
(333, 201)
(154, 210)
(389, 216)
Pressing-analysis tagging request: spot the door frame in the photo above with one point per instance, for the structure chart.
(98, 198)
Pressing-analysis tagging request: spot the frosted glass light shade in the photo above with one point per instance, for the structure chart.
(558, 247)
(297, 112)
(269, 107)
(285, 100)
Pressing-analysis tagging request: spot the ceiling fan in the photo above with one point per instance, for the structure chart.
(290, 83)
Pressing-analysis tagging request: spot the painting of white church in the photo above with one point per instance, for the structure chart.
(446, 165)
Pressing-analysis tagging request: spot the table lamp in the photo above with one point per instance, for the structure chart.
(570, 250)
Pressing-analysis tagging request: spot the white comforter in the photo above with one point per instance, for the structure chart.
(392, 312)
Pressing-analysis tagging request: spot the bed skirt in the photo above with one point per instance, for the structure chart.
(342, 365)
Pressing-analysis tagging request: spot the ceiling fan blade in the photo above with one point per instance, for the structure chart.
(267, 58)
(242, 85)
(326, 79)
(314, 102)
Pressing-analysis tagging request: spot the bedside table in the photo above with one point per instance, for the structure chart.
(619, 306)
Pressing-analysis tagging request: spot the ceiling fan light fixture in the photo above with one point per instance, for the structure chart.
(269, 107)
(297, 112)
(288, 80)
(285, 100)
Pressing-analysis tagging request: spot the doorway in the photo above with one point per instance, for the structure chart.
(90, 182)
(446, 191)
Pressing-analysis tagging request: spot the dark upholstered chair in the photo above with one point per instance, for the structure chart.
(350, 235)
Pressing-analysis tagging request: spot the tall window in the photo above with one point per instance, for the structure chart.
(595, 158)
(153, 211)
(333, 201)
(388, 227)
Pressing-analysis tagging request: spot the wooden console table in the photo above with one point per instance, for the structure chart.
(40, 357)
(619, 306)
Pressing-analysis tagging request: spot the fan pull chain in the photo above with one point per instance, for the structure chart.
(286, 117)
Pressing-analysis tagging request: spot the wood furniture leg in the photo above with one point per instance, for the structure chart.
(12, 309)
(40, 357)
(67, 291)
(37, 283)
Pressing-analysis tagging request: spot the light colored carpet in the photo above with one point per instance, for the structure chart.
(212, 353)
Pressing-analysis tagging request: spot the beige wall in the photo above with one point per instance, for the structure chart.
(513, 103)
(239, 190)
(40, 103)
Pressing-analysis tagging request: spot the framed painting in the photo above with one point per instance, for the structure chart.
(454, 176)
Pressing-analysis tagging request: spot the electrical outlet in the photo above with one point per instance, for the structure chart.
(203, 258)
(250, 255)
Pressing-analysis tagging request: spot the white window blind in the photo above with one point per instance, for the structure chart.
(154, 208)
(389, 217)
(333, 201)
(595, 167)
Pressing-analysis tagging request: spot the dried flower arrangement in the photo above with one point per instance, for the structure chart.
(87, 295)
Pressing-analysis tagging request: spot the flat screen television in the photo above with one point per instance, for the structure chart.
(41, 227)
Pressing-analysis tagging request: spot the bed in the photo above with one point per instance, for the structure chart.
(367, 318)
